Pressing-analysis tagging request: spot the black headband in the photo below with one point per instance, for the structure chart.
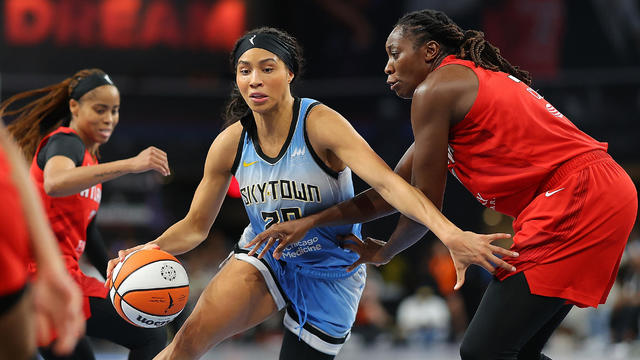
(268, 42)
(89, 83)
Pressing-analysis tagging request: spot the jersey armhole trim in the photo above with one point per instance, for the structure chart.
(236, 161)
(334, 174)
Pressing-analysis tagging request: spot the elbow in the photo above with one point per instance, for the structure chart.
(51, 188)
(197, 231)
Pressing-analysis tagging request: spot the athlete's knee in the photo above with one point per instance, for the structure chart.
(149, 341)
(473, 350)
(188, 341)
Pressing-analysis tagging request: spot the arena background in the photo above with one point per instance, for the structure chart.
(170, 60)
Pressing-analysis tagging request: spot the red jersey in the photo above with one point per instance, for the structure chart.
(69, 217)
(14, 238)
(510, 141)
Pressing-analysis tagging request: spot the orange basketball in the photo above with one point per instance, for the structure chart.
(149, 288)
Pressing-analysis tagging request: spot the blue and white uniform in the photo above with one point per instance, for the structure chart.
(310, 277)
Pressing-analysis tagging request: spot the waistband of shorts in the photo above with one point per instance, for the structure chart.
(572, 165)
(338, 273)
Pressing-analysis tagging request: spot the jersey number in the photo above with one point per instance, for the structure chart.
(285, 214)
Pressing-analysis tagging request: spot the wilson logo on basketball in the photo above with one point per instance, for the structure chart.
(144, 320)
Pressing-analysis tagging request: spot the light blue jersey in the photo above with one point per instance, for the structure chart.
(294, 184)
(310, 280)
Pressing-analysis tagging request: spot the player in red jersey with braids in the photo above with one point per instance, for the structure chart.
(60, 133)
(474, 113)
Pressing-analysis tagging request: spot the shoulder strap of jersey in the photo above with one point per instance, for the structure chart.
(241, 142)
(310, 104)
(61, 129)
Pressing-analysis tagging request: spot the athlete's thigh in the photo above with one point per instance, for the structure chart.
(235, 299)
(507, 318)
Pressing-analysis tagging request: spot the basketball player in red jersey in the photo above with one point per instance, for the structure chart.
(475, 114)
(67, 174)
(54, 296)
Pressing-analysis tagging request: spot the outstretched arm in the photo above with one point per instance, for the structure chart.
(63, 178)
(193, 229)
(367, 206)
(323, 125)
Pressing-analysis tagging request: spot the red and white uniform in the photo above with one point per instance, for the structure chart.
(14, 237)
(574, 206)
(69, 217)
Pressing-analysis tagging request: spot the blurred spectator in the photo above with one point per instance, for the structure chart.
(443, 271)
(423, 317)
(372, 318)
(626, 306)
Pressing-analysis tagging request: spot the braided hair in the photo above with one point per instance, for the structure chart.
(42, 115)
(425, 25)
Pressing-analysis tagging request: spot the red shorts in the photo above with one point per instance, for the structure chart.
(572, 235)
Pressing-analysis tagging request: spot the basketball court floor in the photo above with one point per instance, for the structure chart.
(559, 348)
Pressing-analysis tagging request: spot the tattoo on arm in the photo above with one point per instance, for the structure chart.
(106, 173)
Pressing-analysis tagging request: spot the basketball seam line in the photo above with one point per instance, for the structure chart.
(125, 278)
(165, 288)
(144, 312)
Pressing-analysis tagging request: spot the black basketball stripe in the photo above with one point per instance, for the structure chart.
(142, 312)
(151, 289)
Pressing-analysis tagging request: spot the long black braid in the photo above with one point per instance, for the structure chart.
(428, 24)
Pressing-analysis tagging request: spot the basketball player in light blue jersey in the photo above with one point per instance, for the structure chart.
(292, 157)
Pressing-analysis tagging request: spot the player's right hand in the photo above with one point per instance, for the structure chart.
(371, 250)
(121, 255)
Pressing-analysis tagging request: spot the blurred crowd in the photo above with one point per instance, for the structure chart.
(584, 57)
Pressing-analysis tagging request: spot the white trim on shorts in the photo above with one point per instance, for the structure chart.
(313, 340)
(268, 278)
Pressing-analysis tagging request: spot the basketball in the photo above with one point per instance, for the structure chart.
(149, 288)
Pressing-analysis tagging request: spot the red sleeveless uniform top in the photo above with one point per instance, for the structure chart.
(14, 237)
(510, 141)
(69, 217)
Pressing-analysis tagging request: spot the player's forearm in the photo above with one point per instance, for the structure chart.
(73, 181)
(181, 237)
(406, 233)
(366, 206)
(412, 203)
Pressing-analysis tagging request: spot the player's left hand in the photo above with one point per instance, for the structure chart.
(468, 248)
(285, 233)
